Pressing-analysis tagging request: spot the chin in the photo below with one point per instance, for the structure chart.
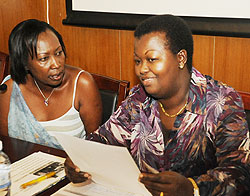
(59, 84)
(151, 92)
(56, 84)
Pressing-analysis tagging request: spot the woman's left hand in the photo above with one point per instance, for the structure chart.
(168, 182)
(73, 172)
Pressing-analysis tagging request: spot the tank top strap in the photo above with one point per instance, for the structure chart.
(74, 93)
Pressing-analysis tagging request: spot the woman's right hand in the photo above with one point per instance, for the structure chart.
(73, 172)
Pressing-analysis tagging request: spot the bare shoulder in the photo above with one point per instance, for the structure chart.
(85, 78)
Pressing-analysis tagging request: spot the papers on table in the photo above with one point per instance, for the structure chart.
(110, 166)
(32, 167)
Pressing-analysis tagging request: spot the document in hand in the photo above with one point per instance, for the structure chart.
(109, 166)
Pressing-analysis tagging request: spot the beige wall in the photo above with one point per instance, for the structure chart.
(110, 52)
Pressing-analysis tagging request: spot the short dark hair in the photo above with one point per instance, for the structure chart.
(178, 33)
(23, 43)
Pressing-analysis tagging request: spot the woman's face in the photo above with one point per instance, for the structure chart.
(155, 65)
(48, 67)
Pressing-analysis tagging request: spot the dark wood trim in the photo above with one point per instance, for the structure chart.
(112, 84)
(4, 65)
(232, 27)
(246, 99)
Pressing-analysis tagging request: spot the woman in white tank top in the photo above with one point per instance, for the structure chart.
(59, 97)
(69, 123)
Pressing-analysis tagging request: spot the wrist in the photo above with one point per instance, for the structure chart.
(195, 186)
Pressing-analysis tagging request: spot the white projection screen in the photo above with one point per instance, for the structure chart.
(210, 17)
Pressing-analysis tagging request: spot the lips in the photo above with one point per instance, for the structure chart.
(146, 81)
(56, 77)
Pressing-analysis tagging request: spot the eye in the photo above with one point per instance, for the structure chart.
(59, 53)
(137, 61)
(43, 59)
(152, 60)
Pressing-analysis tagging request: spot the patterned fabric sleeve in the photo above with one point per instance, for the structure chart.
(116, 131)
(231, 141)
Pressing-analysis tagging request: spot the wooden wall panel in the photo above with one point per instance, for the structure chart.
(95, 50)
(204, 54)
(127, 57)
(232, 62)
(14, 11)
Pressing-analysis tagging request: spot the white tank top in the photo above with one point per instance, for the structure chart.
(70, 123)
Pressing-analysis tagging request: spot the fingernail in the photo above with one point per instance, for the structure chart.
(77, 169)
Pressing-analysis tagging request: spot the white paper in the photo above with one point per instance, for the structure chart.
(90, 188)
(23, 171)
(110, 166)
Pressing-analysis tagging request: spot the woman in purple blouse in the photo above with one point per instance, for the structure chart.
(186, 131)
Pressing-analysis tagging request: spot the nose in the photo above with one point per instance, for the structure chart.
(144, 68)
(55, 63)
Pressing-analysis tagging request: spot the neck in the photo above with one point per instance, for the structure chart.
(46, 99)
(179, 98)
(44, 88)
(172, 104)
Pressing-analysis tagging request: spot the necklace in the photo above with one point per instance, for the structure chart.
(46, 100)
(173, 115)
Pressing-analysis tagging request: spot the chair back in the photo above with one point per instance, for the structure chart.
(4, 65)
(112, 91)
(246, 100)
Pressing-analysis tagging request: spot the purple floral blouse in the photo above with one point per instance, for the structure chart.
(210, 140)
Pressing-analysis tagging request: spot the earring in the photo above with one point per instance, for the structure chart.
(181, 65)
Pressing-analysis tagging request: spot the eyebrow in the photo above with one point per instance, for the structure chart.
(46, 52)
(145, 52)
(149, 51)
